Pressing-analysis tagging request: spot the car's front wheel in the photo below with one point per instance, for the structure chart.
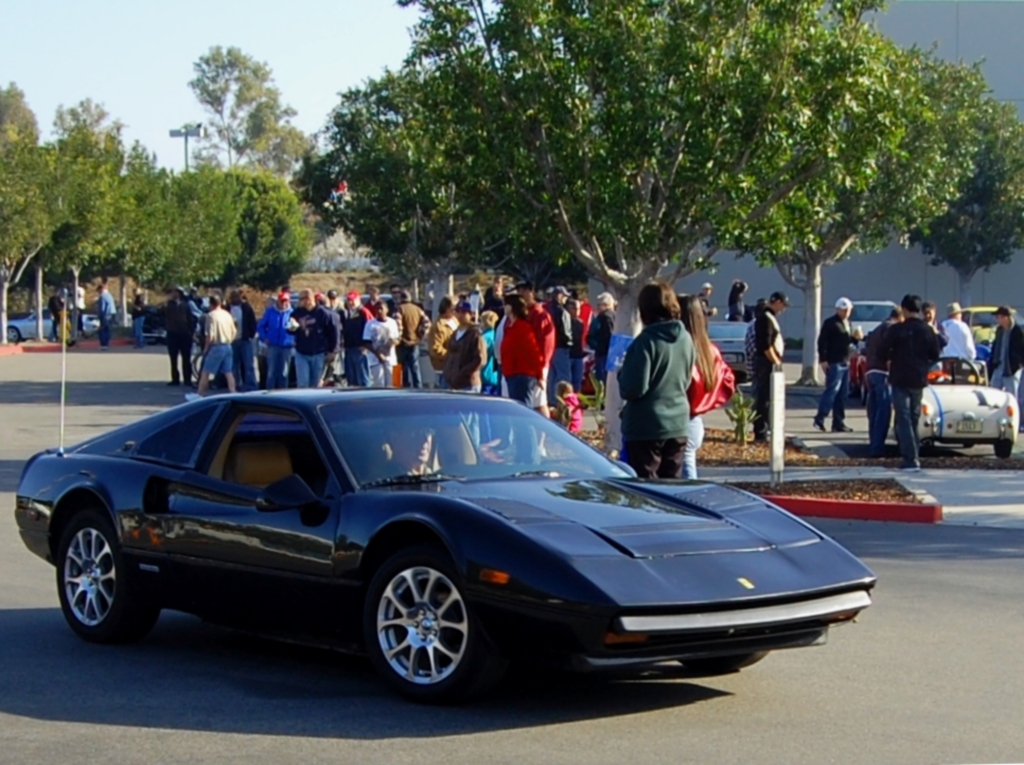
(421, 633)
(1004, 448)
(96, 597)
(722, 665)
(13, 335)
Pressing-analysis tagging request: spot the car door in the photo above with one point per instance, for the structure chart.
(245, 562)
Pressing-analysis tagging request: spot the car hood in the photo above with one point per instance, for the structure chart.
(644, 520)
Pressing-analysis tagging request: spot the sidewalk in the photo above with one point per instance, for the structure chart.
(968, 497)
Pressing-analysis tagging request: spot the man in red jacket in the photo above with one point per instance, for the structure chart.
(544, 329)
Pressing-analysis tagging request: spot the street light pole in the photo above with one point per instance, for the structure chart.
(186, 131)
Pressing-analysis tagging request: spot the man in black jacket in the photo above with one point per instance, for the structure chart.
(180, 325)
(911, 349)
(1007, 359)
(599, 336)
(876, 379)
(769, 349)
(243, 347)
(834, 343)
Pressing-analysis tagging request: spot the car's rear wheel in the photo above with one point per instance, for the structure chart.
(422, 635)
(722, 665)
(1004, 448)
(96, 597)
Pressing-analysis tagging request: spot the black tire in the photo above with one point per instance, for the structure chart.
(13, 335)
(1004, 449)
(441, 679)
(119, 614)
(723, 665)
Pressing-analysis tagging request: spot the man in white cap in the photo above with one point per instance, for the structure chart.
(959, 339)
(705, 299)
(834, 343)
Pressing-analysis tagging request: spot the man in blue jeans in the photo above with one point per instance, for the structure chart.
(911, 349)
(277, 333)
(834, 343)
(876, 378)
(107, 310)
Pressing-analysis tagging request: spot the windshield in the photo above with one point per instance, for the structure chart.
(871, 312)
(732, 330)
(459, 437)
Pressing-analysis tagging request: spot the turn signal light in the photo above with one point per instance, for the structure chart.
(491, 576)
(615, 638)
(1009, 409)
(926, 410)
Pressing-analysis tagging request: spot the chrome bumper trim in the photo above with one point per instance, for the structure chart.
(747, 617)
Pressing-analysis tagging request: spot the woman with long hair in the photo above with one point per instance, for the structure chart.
(737, 309)
(712, 382)
(653, 380)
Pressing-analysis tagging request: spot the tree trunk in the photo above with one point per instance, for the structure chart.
(124, 301)
(810, 372)
(627, 322)
(40, 333)
(964, 285)
(4, 284)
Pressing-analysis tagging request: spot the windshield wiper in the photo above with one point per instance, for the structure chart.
(411, 480)
(537, 474)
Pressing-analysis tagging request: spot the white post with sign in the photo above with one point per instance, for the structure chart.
(777, 425)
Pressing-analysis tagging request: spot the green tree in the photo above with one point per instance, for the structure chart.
(205, 213)
(401, 202)
(875, 189)
(273, 240)
(250, 124)
(649, 131)
(16, 116)
(25, 216)
(983, 223)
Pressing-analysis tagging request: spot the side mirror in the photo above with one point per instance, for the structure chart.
(290, 493)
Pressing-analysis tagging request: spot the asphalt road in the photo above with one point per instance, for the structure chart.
(932, 673)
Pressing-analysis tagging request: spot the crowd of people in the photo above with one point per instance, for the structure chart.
(899, 355)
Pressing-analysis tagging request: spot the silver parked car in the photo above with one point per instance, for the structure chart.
(22, 326)
(729, 337)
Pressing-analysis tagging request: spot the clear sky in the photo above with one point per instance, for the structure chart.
(135, 56)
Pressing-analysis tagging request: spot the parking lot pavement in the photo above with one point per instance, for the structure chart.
(930, 673)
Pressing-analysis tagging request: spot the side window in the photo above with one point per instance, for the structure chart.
(261, 448)
(177, 442)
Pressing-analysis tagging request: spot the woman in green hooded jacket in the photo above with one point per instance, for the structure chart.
(653, 381)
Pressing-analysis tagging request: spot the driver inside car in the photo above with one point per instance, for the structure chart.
(413, 452)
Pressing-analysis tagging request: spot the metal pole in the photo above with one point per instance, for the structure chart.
(186, 150)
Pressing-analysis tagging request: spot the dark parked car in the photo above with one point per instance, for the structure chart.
(441, 533)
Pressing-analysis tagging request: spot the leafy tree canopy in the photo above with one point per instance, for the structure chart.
(983, 223)
(251, 126)
(16, 116)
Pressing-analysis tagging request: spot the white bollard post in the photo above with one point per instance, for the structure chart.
(777, 426)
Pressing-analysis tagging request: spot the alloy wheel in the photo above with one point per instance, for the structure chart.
(89, 577)
(422, 625)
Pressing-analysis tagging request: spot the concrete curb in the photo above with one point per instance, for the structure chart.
(895, 512)
(10, 350)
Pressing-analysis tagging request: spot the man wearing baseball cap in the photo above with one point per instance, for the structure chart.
(959, 338)
(834, 344)
(705, 298)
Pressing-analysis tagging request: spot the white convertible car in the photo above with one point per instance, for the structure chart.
(959, 408)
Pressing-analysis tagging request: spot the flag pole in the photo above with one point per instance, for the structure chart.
(63, 372)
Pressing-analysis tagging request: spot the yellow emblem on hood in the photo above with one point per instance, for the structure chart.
(746, 582)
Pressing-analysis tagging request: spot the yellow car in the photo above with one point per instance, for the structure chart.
(982, 321)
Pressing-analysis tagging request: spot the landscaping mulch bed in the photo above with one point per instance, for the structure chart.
(883, 490)
(720, 449)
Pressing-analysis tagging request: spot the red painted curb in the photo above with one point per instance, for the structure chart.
(87, 345)
(897, 512)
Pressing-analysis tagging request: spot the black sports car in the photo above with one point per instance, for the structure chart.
(443, 534)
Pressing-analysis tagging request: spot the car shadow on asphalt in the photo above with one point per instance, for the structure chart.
(189, 676)
(923, 541)
(92, 393)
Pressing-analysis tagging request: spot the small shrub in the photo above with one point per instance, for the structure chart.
(742, 415)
